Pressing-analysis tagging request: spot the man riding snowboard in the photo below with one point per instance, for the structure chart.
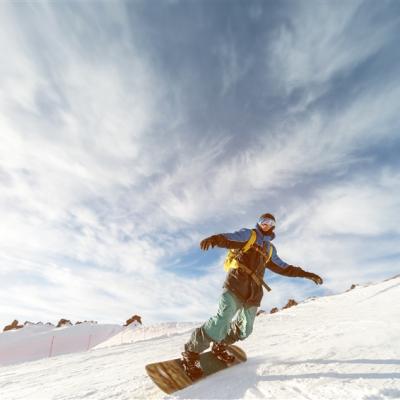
(252, 252)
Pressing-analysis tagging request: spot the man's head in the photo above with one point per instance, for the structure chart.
(266, 222)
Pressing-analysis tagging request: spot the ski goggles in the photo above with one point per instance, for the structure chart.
(266, 221)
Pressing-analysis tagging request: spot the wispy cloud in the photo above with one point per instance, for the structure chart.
(123, 144)
(320, 44)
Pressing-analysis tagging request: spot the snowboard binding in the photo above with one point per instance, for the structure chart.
(220, 351)
(191, 365)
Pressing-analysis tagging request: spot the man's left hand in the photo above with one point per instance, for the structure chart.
(315, 278)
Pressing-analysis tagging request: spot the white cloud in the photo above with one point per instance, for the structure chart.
(359, 210)
(233, 68)
(102, 185)
(51, 291)
(346, 232)
(319, 42)
(62, 161)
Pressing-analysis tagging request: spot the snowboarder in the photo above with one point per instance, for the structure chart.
(242, 293)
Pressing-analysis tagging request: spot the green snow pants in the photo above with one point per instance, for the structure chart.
(221, 328)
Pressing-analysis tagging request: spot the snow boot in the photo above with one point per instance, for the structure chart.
(220, 351)
(191, 364)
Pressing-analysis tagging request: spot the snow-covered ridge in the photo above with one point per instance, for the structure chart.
(343, 346)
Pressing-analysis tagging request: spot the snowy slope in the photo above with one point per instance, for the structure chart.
(34, 342)
(140, 333)
(338, 347)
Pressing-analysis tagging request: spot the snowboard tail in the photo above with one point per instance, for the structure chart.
(170, 376)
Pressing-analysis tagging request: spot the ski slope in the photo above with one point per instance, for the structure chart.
(337, 347)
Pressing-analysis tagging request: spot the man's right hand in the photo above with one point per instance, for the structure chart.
(207, 242)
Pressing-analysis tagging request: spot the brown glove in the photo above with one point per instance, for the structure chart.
(207, 242)
(314, 277)
(291, 270)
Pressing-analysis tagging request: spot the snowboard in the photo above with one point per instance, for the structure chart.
(170, 376)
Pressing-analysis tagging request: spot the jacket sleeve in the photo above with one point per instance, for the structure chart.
(234, 240)
(276, 260)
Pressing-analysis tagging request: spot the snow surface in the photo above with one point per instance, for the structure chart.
(140, 333)
(337, 347)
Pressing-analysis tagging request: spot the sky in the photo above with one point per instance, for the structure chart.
(132, 130)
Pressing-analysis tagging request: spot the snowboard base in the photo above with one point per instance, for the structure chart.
(170, 376)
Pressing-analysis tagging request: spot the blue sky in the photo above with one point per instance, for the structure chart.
(131, 130)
